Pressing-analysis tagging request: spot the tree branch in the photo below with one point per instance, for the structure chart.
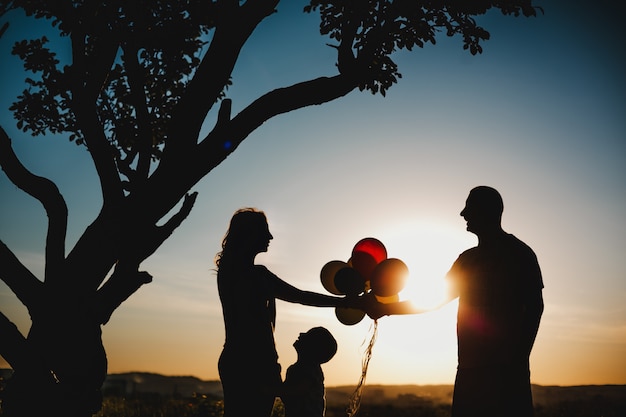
(233, 30)
(19, 279)
(95, 65)
(141, 242)
(227, 136)
(13, 344)
(283, 100)
(123, 283)
(95, 74)
(126, 278)
(4, 29)
(144, 133)
(48, 194)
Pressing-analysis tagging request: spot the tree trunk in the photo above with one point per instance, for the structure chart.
(66, 368)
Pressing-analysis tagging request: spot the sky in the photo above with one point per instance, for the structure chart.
(540, 116)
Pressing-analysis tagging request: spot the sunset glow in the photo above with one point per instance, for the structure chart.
(429, 249)
(539, 116)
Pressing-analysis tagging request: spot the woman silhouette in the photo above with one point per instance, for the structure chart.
(248, 365)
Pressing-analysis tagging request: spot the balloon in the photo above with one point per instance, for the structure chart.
(328, 273)
(364, 263)
(349, 316)
(348, 281)
(389, 277)
(366, 254)
(371, 246)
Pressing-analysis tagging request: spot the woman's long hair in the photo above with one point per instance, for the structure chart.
(246, 222)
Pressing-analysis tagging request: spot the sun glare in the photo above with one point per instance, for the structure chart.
(425, 294)
(428, 249)
(420, 348)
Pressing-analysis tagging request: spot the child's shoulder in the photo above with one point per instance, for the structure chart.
(301, 369)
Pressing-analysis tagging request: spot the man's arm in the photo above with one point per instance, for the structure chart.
(532, 318)
(376, 309)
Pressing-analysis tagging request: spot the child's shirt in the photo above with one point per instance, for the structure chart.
(303, 391)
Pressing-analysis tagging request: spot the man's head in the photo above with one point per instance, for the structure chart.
(483, 210)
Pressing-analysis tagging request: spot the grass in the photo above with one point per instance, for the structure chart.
(204, 406)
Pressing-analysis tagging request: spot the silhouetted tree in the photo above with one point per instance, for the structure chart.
(143, 76)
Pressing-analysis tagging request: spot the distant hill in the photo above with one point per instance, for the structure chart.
(143, 382)
(130, 383)
(150, 383)
(397, 394)
(551, 395)
(411, 394)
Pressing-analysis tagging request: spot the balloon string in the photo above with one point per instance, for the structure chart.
(355, 398)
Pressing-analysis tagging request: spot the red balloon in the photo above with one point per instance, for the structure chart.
(389, 277)
(371, 246)
(366, 254)
(364, 264)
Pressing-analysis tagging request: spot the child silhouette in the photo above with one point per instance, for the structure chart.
(303, 392)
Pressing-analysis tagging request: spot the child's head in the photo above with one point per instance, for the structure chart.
(317, 345)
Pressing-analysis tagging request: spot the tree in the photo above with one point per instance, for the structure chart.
(143, 77)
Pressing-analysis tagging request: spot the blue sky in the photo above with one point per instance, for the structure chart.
(539, 115)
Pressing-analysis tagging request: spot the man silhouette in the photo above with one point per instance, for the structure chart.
(499, 286)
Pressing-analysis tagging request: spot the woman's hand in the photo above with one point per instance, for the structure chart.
(365, 302)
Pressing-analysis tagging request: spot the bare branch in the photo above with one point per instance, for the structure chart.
(126, 278)
(12, 344)
(143, 242)
(93, 67)
(226, 136)
(48, 194)
(4, 29)
(223, 115)
(124, 282)
(233, 30)
(19, 279)
(283, 100)
(102, 153)
(95, 74)
(144, 134)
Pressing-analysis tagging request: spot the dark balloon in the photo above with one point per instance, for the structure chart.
(327, 275)
(349, 316)
(348, 281)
